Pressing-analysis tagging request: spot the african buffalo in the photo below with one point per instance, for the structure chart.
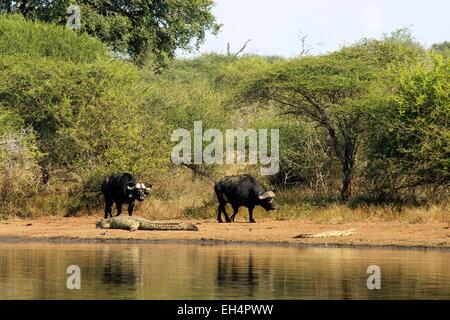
(120, 189)
(242, 190)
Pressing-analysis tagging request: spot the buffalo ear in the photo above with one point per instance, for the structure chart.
(147, 187)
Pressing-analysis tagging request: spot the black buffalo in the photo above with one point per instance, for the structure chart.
(243, 190)
(120, 189)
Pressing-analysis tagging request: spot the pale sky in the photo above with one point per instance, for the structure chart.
(275, 25)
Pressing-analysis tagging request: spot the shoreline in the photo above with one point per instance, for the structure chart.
(214, 242)
(266, 232)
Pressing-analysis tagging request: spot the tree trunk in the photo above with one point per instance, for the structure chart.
(346, 190)
(347, 173)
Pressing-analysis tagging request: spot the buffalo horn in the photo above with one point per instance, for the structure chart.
(267, 194)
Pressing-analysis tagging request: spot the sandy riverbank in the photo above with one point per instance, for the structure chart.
(368, 234)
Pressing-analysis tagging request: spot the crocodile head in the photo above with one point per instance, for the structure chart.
(103, 224)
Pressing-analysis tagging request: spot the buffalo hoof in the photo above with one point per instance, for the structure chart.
(252, 221)
(219, 221)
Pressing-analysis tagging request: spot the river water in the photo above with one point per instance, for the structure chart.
(182, 271)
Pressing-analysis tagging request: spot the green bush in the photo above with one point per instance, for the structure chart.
(87, 112)
(27, 38)
(409, 149)
(70, 115)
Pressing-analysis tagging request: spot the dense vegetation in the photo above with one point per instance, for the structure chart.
(142, 30)
(368, 124)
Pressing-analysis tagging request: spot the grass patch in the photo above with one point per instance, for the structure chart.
(186, 198)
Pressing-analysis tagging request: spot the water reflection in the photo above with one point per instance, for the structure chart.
(233, 272)
(121, 267)
(162, 271)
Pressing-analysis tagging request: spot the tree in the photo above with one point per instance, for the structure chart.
(414, 146)
(83, 107)
(334, 91)
(442, 47)
(138, 28)
(325, 90)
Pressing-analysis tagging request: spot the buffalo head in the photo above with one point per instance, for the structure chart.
(266, 200)
(138, 191)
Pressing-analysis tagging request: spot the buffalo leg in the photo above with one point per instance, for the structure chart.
(119, 208)
(219, 213)
(235, 212)
(108, 208)
(250, 213)
(130, 209)
(227, 218)
(221, 209)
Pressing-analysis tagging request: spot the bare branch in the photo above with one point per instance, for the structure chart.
(304, 49)
(238, 52)
(243, 48)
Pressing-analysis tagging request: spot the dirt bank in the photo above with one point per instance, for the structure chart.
(391, 234)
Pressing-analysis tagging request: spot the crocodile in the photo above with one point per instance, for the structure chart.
(332, 233)
(138, 223)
